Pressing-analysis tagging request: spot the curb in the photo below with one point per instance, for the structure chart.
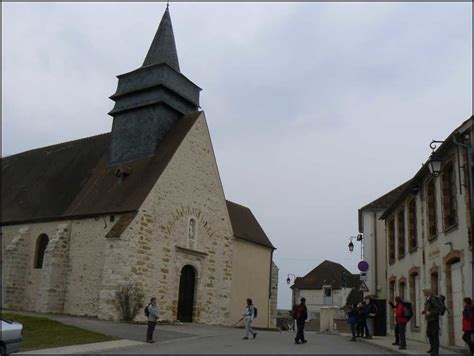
(85, 348)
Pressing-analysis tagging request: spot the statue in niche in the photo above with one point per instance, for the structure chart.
(192, 233)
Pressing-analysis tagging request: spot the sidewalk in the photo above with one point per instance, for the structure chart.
(85, 348)
(413, 347)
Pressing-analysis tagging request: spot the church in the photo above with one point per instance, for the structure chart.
(142, 205)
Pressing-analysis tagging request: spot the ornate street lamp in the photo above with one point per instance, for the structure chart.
(351, 246)
(434, 162)
(288, 280)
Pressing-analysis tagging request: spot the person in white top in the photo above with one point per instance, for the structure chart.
(249, 315)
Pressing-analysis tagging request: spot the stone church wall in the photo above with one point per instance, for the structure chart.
(71, 277)
(274, 295)
(157, 245)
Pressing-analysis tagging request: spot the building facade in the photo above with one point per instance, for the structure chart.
(329, 284)
(142, 205)
(428, 240)
(373, 230)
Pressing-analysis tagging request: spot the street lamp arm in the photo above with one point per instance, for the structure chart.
(434, 144)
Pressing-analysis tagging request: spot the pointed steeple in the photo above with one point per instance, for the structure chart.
(150, 100)
(163, 47)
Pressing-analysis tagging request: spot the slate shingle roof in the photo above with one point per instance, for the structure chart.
(327, 273)
(246, 226)
(72, 179)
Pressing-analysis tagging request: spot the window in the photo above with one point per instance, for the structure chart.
(391, 240)
(412, 232)
(401, 289)
(434, 283)
(392, 299)
(431, 202)
(41, 245)
(448, 184)
(401, 233)
(415, 298)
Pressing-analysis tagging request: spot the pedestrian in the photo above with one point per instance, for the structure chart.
(432, 313)
(401, 321)
(371, 311)
(300, 314)
(397, 336)
(468, 324)
(352, 318)
(361, 320)
(151, 311)
(249, 315)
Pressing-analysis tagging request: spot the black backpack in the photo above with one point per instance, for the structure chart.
(147, 313)
(407, 310)
(254, 312)
(440, 300)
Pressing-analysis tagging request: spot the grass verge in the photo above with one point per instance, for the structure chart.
(42, 333)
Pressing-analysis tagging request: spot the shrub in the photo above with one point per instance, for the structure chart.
(130, 300)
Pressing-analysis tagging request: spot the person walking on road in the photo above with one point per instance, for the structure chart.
(352, 316)
(468, 324)
(300, 314)
(151, 311)
(432, 313)
(249, 315)
(401, 322)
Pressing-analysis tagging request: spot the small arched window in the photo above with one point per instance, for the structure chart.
(41, 245)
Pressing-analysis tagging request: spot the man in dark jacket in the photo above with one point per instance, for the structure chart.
(300, 314)
(432, 313)
(371, 311)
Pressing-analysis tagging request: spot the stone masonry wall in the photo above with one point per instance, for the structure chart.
(274, 295)
(52, 292)
(13, 273)
(156, 244)
(74, 272)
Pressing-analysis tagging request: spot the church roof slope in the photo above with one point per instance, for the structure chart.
(246, 226)
(327, 273)
(72, 179)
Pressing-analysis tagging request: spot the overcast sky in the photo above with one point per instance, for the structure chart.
(315, 109)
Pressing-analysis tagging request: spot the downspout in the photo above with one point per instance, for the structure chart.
(375, 253)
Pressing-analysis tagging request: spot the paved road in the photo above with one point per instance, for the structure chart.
(229, 341)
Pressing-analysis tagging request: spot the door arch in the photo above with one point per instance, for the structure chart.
(186, 296)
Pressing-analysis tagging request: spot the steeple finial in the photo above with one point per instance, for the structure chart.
(163, 47)
(167, 5)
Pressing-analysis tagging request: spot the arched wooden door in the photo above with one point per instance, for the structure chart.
(187, 284)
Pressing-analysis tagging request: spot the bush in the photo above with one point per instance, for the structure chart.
(130, 300)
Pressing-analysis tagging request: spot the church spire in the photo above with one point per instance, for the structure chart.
(163, 47)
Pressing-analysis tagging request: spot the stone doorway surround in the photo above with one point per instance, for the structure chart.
(195, 259)
(451, 258)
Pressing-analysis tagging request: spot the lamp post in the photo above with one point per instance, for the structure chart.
(288, 281)
(434, 165)
(360, 238)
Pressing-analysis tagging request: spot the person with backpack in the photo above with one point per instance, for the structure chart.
(403, 314)
(300, 314)
(151, 312)
(468, 324)
(250, 313)
(432, 313)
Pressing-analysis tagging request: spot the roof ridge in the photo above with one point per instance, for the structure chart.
(56, 144)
